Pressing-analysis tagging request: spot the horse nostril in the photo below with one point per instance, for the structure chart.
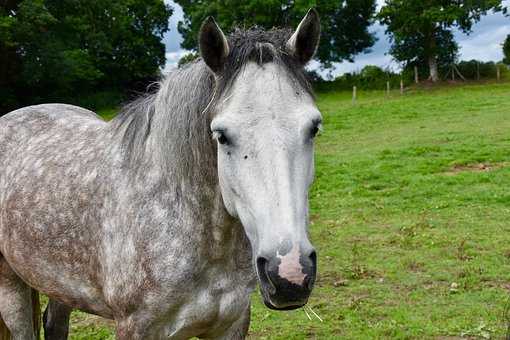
(313, 258)
(310, 279)
(264, 275)
(261, 263)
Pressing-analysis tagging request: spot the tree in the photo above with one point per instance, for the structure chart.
(10, 64)
(63, 47)
(421, 30)
(411, 50)
(506, 50)
(187, 58)
(344, 23)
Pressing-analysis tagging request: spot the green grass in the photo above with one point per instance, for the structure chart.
(411, 230)
(108, 113)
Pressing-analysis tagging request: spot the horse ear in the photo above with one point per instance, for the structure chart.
(213, 45)
(305, 40)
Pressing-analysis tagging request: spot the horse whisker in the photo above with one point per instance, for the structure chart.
(318, 317)
(309, 318)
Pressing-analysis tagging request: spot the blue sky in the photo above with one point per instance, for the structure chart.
(484, 43)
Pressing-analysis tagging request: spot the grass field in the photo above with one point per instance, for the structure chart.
(410, 217)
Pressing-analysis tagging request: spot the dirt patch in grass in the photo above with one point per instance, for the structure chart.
(329, 278)
(478, 167)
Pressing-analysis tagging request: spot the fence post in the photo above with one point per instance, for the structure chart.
(401, 87)
(455, 69)
(498, 73)
(453, 74)
(388, 88)
(416, 77)
(354, 94)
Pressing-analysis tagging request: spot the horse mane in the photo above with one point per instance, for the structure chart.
(179, 114)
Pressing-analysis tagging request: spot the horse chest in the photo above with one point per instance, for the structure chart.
(213, 306)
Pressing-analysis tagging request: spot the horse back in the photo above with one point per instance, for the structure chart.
(52, 158)
(49, 139)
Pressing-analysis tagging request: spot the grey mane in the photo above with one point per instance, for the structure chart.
(181, 110)
(175, 116)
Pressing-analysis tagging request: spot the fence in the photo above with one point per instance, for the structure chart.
(375, 78)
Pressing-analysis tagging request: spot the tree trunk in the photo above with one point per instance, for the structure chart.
(434, 75)
(431, 52)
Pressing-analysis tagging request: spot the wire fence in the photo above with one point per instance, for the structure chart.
(374, 78)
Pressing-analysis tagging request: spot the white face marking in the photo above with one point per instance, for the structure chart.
(290, 268)
(265, 167)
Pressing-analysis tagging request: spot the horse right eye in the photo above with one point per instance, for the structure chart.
(222, 139)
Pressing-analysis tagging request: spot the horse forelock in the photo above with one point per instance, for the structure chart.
(177, 116)
(260, 46)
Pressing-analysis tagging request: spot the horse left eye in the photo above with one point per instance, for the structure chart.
(315, 130)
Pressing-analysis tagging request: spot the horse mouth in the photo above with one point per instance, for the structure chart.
(270, 305)
(269, 292)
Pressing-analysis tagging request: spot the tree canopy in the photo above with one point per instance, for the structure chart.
(421, 30)
(344, 23)
(412, 51)
(54, 48)
(506, 50)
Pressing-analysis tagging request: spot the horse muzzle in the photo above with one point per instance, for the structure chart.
(286, 280)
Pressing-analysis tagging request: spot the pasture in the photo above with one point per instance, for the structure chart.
(410, 216)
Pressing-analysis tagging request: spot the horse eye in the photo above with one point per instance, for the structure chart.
(315, 131)
(220, 137)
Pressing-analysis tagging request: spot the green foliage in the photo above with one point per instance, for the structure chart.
(506, 50)
(470, 69)
(412, 51)
(188, 58)
(421, 30)
(411, 16)
(344, 22)
(98, 100)
(54, 48)
(369, 78)
(6, 24)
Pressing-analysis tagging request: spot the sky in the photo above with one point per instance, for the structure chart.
(484, 43)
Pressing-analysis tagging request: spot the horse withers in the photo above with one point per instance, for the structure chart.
(163, 218)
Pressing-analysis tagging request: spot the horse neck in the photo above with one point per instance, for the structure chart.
(178, 160)
(189, 161)
(175, 166)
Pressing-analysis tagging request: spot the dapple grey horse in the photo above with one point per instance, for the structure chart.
(163, 218)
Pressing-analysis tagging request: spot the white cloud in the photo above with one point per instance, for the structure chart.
(172, 58)
(172, 38)
(380, 3)
(486, 40)
(484, 43)
(485, 46)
